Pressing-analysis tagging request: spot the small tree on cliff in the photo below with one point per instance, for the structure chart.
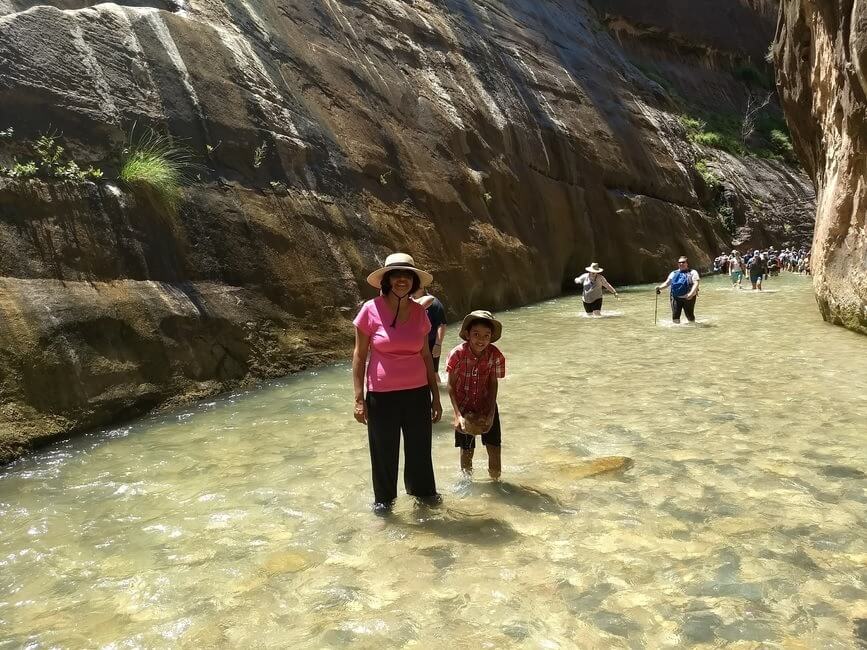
(755, 105)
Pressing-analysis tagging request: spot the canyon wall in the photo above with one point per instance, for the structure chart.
(821, 54)
(504, 144)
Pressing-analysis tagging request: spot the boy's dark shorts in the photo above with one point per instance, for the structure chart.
(492, 437)
(596, 305)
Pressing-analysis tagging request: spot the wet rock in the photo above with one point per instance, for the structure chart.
(700, 626)
(596, 467)
(842, 471)
(860, 631)
(443, 557)
(524, 497)
(465, 527)
(281, 562)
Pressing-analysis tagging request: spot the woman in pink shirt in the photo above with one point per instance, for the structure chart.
(402, 389)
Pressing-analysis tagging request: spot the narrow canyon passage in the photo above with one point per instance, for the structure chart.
(245, 521)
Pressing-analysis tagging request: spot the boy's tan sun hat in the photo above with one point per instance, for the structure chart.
(481, 314)
(398, 262)
(594, 268)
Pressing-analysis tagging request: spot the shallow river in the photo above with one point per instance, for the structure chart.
(245, 522)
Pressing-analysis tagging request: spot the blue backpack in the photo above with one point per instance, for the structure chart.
(681, 283)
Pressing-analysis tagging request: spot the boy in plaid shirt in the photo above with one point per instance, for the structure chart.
(474, 368)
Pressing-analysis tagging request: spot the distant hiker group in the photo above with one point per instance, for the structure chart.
(760, 264)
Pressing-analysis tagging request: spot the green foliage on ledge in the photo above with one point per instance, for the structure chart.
(154, 164)
(723, 131)
(717, 131)
(48, 162)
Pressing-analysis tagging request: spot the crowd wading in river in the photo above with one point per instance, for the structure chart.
(395, 376)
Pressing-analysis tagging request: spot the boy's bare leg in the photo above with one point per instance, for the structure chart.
(467, 460)
(493, 461)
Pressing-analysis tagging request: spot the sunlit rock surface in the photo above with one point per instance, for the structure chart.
(504, 144)
(821, 52)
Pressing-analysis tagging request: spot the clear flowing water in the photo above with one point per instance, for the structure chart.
(244, 522)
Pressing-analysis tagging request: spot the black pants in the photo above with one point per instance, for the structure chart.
(436, 360)
(681, 304)
(387, 414)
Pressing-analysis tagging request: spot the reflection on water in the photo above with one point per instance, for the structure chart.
(662, 487)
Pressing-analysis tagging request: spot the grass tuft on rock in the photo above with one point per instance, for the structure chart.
(155, 164)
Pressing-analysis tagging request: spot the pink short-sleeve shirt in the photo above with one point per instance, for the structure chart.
(395, 360)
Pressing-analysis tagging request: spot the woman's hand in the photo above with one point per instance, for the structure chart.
(436, 350)
(436, 410)
(360, 411)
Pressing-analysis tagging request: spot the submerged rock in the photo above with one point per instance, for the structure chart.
(281, 562)
(595, 467)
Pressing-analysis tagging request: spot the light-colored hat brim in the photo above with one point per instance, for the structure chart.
(590, 269)
(375, 278)
(496, 326)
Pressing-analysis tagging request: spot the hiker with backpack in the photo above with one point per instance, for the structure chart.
(757, 267)
(684, 289)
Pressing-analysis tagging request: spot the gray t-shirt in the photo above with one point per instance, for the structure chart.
(592, 288)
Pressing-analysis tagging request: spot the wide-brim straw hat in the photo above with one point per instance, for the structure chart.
(398, 262)
(594, 268)
(481, 314)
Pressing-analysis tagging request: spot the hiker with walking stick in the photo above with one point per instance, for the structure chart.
(684, 290)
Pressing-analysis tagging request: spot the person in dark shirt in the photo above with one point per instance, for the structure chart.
(436, 314)
(757, 267)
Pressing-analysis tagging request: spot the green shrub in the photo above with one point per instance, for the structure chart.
(708, 175)
(259, 155)
(727, 217)
(781, 143)
(709, 139)
(70, 171)
(49, 163)
(717, 132)
(155, 164)
(49, 152)
(24, 170)
(693, 125)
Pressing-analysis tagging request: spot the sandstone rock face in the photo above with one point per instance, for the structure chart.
(696, 64)
(821, 53)
(504, 144)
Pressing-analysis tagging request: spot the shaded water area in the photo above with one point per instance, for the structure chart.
(245, 522)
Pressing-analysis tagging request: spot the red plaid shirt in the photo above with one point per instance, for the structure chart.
(472, 374)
